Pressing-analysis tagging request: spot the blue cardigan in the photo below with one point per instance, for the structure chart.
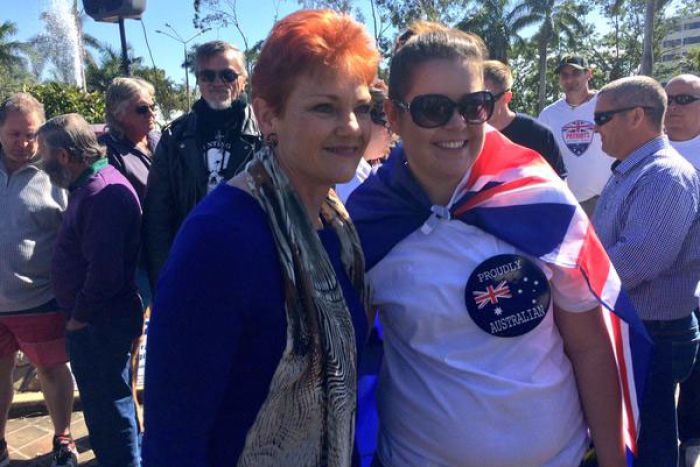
(218, 331)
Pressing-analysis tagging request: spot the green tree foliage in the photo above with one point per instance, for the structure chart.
(60, 98)
(524, 66)
(556, 21)
(401, 13)
(13, 79)
(169, 96)
(11, 51)
(13, 70)
(493, 21)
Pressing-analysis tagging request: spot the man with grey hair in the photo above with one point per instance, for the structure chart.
(648, 220)
(93, 268)
(30, 320)
(683, 130)
(197, 151)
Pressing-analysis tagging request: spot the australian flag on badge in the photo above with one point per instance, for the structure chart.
(578, 135)
(513, 194)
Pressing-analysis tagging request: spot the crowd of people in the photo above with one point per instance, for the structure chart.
(527, 286)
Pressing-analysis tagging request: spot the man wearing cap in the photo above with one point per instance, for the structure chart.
(519, 128)
(571, 120)
(683, 129)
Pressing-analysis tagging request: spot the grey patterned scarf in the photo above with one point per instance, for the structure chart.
(308, 417)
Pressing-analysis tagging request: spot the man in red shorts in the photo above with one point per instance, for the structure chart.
(30, 321)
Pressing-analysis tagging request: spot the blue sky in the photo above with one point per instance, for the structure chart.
(256, 16)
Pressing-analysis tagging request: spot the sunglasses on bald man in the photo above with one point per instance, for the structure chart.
(682, 99)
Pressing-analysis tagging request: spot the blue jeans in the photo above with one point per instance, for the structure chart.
(100, 359)
(675, 348)
(689, 406)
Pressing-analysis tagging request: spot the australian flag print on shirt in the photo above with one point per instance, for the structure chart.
(578, 135)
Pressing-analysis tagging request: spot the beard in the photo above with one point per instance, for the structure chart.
(219, 105)
(59, 175)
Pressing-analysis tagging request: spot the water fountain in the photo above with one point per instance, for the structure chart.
(65, 33)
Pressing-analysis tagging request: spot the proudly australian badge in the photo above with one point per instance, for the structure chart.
(507, 295)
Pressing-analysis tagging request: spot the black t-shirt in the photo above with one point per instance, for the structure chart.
(528, 132)
(217, 130)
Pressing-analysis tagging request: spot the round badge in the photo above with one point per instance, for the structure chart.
(507, 295)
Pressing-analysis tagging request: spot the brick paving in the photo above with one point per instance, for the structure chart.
(29, 440)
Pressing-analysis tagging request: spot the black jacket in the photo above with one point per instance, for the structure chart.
(178, 181)
(130, 160)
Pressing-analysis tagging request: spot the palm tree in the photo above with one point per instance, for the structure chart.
(99, 76)
(556, 20)
(493, 22)
(10, 51)
(651, 11)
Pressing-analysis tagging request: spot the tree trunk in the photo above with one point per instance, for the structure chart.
(542, 66)
(647, 64)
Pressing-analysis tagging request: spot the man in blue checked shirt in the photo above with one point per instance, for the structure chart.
(648, 219)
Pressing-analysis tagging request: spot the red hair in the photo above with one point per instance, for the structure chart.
(310, 41)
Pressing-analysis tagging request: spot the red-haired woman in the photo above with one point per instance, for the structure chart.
(260, 309)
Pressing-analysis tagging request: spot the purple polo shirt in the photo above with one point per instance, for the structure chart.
(97, 248)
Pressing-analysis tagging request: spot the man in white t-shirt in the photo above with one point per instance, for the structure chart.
(683, 116)
(683, 129)
(571, 121)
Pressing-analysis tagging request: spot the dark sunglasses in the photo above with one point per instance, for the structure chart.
(145, 109)
(682, 99)
(435, 110)
(601, 118)
(500, 94)
(209, 76)
(575, 73)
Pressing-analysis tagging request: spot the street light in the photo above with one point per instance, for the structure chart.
(173, 34)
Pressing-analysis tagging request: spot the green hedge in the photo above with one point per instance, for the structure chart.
(59, 98)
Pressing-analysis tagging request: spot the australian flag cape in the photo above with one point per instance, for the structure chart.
(513, 194)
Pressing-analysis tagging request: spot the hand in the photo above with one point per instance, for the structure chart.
(75, 325)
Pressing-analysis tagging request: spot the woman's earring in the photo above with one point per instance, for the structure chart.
(271, 140)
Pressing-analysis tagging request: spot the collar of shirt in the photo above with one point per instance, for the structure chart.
(32, 164)
(652, 146)
(94, 168)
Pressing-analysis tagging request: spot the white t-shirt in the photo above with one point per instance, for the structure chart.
(588, 167)
(689, 149)
(451, 393)
(344, 190)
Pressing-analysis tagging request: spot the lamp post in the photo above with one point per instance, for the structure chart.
(173, 34)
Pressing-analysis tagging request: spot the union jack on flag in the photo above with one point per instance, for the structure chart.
(491, 295)
(522, 190)
(513, 194)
